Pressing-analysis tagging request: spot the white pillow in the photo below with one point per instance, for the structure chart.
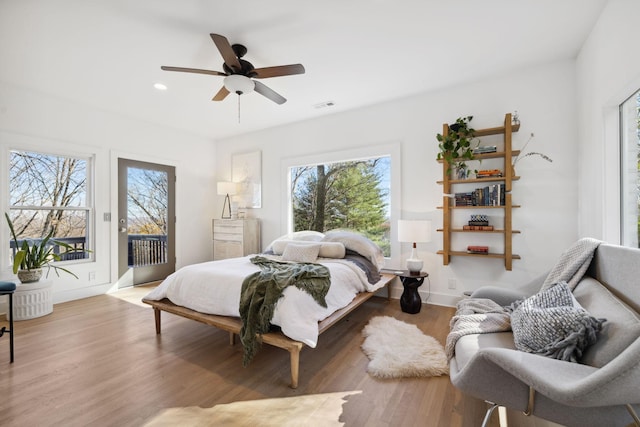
(301, 252)
(358, 243)
(304, 235)
(327, 249)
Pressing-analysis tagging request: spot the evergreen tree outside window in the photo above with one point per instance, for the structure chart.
(49, 191)
(630, 170)
(350, 195)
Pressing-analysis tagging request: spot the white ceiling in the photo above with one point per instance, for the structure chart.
(107, 53)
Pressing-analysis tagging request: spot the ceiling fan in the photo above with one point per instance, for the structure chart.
(239, 74)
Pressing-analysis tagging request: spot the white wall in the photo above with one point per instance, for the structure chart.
(39, 122)
(545, 99)
(608, 72)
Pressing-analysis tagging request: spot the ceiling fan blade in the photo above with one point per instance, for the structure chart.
(227, 52)
(222, 94)
(269, 93)
(281, 70)
(193, 70)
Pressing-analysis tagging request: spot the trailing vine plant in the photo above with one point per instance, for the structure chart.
(455, 147)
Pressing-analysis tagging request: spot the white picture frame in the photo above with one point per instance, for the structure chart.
(246, 171)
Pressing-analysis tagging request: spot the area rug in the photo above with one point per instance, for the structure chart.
(397, 349)
(308, 410)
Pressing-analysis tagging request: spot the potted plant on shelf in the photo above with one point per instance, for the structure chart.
(455, 147)
(32, 256)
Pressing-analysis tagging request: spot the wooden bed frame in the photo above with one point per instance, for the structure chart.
(276, 339)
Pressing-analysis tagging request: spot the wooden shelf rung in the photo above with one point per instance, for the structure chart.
(489, 255)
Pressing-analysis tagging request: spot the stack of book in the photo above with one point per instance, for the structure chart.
(478, 222)
(489, 173)
(478, 227)
(474, 249)
(485, 149)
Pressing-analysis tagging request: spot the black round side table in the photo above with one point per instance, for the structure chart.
(410, 301)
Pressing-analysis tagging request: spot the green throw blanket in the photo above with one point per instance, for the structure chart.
(262, 290)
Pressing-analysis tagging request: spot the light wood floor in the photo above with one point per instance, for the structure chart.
(98, 362)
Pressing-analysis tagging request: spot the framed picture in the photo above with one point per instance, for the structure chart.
(246, 171)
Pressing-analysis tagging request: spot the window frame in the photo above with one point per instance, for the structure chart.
(629, 235)
(88, 207)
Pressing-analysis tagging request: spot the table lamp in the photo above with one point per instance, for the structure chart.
(227, 189)
(414, 231)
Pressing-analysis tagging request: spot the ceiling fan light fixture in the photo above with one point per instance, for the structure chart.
(239, 84)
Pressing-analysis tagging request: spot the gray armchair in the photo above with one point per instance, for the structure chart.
(602, 390)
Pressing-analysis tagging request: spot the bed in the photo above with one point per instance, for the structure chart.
(210, 292)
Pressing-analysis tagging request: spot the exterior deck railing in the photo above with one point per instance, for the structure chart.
(147, 249)
(143, 249)
(78, 244)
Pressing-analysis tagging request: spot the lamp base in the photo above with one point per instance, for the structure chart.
(414, 265)
(226, 208)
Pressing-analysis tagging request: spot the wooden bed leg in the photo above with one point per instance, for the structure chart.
(294, 353)
(156, 314)
(232, 339)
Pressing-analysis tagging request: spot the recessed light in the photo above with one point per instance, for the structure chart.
(160, 86)
(324, 104)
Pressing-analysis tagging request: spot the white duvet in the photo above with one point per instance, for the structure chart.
(214, 288)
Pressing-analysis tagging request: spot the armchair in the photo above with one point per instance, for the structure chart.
(602, 390)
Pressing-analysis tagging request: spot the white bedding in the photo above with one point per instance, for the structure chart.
(214, 288)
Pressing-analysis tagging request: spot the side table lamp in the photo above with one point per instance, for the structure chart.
(414, 231)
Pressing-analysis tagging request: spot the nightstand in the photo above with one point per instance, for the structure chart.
(410, 301)
(234, 238)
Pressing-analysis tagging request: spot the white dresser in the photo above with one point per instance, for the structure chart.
(235, 237)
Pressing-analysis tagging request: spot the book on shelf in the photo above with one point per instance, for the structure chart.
(485, 149)
(491, 195)
(478, 227)
(489, 173)
(475, 249)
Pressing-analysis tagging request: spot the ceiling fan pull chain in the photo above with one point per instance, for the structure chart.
(238, 109)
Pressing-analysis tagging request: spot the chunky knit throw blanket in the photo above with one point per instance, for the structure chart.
(262, 290)
(476, 316)
(534, 329)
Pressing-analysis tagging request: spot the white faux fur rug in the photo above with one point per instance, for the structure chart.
(398, 349)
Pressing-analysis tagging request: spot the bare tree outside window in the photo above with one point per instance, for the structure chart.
(344, 195)
(147, 196)
(49, 192)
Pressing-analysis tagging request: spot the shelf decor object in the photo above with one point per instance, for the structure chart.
(500, 181)
(226, 189)
(414, 231)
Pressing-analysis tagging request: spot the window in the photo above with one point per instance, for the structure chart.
(630, 170)
(49, 191)
(352, 194)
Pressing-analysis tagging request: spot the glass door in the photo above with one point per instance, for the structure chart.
(146, 222)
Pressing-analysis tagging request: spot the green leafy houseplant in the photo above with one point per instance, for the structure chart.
(455, 147)
(32, 255)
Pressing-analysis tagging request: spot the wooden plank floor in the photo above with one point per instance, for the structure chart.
(98, 361)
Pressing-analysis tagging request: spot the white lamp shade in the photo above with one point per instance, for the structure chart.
(236, 83)
(225, 188)
(414, 231)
